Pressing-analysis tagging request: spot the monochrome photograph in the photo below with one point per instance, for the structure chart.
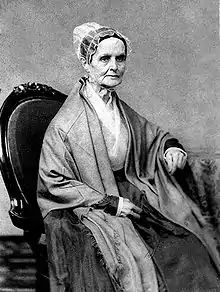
(109, 146)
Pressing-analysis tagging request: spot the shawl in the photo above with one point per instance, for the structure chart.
(75, 172)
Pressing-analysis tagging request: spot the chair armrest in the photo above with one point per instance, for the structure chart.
(17, 213)
(22, 217)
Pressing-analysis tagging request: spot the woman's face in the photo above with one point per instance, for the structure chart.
(108, 63)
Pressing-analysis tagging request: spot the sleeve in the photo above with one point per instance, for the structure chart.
(109, 205)
(173, 142)
(59, 185)
(172, 145)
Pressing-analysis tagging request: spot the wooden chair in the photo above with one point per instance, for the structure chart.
(24, 117)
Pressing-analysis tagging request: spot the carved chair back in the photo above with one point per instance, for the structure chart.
(24, 117)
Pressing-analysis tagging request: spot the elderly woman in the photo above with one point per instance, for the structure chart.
(115, 217)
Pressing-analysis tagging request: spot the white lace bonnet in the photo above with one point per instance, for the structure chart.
(87, 36)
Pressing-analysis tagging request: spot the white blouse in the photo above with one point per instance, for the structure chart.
(113, 126)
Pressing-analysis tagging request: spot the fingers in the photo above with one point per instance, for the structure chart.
(136, 209)
(130, 209)
(130, 213)
(175, 160)
(169, 160)
(135, 215)
(182, 161)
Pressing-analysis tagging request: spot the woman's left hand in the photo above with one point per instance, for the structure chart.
(130, 209)
(175, 158)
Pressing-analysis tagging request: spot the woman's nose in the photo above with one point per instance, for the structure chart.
(113, 64)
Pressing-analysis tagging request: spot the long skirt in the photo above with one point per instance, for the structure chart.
(76, 264)
(182, 260)
(75, 261)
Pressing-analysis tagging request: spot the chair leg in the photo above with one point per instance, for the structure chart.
(40, 252)
(42, 274)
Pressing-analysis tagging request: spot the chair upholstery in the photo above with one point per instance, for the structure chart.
(206, 171)
(24, 117)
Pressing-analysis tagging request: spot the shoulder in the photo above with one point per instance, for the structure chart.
(69, 112)
(137, 120)
(133, 115)
(129, 111)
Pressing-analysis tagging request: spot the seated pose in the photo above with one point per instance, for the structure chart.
(115, 217)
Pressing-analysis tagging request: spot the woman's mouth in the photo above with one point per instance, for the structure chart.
(113, 76)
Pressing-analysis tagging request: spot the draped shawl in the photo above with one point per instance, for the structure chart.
(75, 170)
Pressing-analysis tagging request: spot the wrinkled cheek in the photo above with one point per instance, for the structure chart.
(103, 75)
(122, 70)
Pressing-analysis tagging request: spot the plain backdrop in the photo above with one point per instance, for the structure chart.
(172, 73)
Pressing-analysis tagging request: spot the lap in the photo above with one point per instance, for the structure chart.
(181, 259)
(75, 262)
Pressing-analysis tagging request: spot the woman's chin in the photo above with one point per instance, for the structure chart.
(112, 83)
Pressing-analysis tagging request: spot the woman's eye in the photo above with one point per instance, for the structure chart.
(121, 58)
(104, 59)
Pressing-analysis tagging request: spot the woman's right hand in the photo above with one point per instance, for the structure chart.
(129, 208)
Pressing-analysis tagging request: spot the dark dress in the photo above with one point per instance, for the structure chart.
(182, 262)
(76, 264)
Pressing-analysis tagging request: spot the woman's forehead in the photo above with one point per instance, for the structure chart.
(111, 46)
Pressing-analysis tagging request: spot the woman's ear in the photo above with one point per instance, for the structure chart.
(85, 65)
(87, 68)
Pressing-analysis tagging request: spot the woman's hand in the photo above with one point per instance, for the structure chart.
(129, 208)
(175, 158)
